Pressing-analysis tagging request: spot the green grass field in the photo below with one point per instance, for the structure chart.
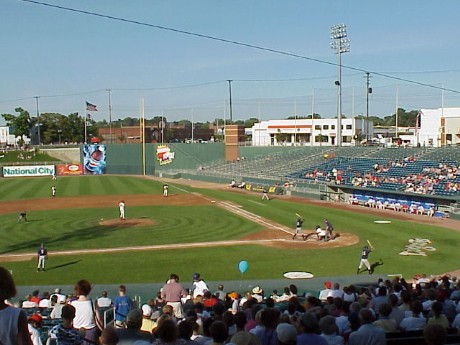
(80, 229)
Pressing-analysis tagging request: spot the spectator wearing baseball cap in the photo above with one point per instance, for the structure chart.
(147, 323)
(133, 331)
(35, 323)
(199, 286)
(323, 294)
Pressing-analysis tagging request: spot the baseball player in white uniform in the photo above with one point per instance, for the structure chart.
(121, 207)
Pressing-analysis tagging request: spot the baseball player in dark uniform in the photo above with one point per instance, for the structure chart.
(329, 229)
(22, 216)
(41, 256)
(298, 227)
(364, 259)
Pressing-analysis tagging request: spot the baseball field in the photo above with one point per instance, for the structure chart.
(200, 228)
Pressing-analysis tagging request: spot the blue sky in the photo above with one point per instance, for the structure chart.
(68, 58)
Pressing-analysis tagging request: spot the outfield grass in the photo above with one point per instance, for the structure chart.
(78, 229)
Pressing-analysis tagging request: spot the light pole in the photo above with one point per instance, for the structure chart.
(341, 44)
(368, 91)
(38, 121)
(230, 94)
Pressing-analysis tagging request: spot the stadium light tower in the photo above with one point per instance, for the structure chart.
(341, 44)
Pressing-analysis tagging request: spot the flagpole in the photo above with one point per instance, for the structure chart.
(110, 114)
(84, 119)
(143, 135)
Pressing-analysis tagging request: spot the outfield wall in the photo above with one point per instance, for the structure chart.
(128, 158)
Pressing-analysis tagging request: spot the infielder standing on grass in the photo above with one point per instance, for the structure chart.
(298, 227)
(41, 256)
(165, 190)
(53, 191)
(364, 256)
(22, 216)
(121, 207)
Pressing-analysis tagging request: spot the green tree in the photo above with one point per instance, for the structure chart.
(76, 128)
(20, 123)
(250, 122)
(315, 116)
(405, 119)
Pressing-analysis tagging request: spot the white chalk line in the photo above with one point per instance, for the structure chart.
(149, 247)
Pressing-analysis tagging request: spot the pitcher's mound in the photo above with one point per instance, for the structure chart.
(127, 223)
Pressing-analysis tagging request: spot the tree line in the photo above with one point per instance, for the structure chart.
(58, 128)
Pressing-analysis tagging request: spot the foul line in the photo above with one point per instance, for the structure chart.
(251, 216)
(150, 247)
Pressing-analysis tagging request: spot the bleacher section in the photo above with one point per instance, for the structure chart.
(383, 173)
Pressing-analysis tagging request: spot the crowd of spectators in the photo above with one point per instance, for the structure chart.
(377, 314)
(426, 181)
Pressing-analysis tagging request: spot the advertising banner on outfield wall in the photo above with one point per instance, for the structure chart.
(69, 169)
(28, 170)
(94, 159)
(260, 187)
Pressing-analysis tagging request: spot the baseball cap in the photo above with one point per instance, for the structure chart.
(146, 310)
(134, 316)
(287, 333)
(196, 276)
(233, 295)
(36, 317)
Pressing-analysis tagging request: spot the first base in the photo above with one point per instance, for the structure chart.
(212, 201)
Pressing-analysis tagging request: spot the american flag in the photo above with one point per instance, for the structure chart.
(91, 107)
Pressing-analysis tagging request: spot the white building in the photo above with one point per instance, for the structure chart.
(316, 132)
(439, 127)
(8, 139)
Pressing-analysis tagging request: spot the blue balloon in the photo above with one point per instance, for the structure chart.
(243, 266)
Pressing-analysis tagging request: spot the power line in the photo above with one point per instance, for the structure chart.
(219, 39)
